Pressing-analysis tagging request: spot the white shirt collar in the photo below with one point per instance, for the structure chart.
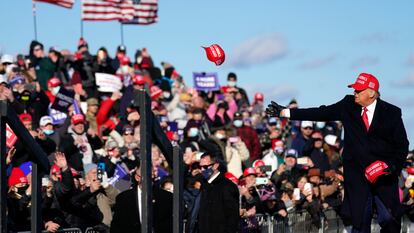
(371, 107)
(212, 178)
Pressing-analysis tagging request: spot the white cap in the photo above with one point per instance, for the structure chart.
(7, 58)
(45, 120)
(3, 79)
(331, 139)
(305, 124)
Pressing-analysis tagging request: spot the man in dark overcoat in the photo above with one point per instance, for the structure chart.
(375, 148)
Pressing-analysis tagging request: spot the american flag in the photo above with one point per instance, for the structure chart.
(105, 10)
(146, 12)
(64, 3)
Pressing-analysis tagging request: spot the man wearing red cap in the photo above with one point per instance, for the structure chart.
(375, 148)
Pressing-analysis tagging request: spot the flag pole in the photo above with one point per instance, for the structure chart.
(122, 33)
(81, 27)
(34, 18)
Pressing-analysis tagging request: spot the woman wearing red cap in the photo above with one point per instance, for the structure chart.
(375, 148)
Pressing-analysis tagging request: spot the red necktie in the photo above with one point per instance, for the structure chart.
(365, 118)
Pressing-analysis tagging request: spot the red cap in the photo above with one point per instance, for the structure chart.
(231, 177)
(258, 96)
(124, 60)
(249, 171)
(77, 118)
(365, 81)
(375, 170)
(410, 170)
(25, 117)
(17, 177)
(224, 89)
(155, 92)
(215, 54)
(54, 82)
(276, 142)
(138, 79)
(258, 163)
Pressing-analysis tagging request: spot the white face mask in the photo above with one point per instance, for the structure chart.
(193, 132)
(220, 136)
(231, 83)
(55, 90)
(320, 124)
(125, 69)
(166, 94)
(238, 123)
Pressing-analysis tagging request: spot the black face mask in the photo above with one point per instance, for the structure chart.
(22, 190)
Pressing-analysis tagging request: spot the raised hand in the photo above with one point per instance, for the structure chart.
(274, 109)
(60, 160)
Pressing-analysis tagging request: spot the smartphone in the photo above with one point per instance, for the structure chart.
(45, 181)
(302, 161)
(262, 180)
(308, 186)
(100, 171)
(296, 194)
(266, 168)
(172, 126)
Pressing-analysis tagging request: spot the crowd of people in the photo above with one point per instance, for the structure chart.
(270, 165)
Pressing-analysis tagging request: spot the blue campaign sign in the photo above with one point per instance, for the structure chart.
(121, 179)
(58, 117)
(206, 81)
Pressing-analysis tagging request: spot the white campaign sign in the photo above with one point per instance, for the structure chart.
(108, 82)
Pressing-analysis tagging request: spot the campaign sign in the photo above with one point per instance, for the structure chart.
(108, 82)
(58, 117)
(121, 179)
(11, 138)
(205, 81)
(63, 100)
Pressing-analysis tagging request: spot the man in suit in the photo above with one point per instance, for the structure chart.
(128, 213)
(375, 147)
(219, 202)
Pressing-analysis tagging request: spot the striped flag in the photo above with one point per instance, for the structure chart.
(105, 10)
(146, 12)
(64, 3)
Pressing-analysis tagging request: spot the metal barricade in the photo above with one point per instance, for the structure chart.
(66, 230)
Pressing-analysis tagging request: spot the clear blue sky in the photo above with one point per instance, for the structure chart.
(305, 49)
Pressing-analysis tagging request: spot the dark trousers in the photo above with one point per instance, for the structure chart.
(387, 222)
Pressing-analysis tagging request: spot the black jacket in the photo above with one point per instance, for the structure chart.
(219, 207)
(126, 215)
(386, 140)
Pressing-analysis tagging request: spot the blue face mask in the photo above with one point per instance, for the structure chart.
(207, 173)
(48, 131)
(193, 132)
(238, 123)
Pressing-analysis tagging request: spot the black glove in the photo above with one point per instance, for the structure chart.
(274, 109)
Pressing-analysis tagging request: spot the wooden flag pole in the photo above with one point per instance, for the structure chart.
(34, 19)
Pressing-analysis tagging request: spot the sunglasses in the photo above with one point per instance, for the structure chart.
(317, 139)
(205, 167)
(128, 133)
(308, 128)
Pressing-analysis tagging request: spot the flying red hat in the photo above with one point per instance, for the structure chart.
(215, 54)
(365, 81)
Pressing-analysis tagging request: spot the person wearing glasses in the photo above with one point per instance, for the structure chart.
(306, 130)
(219, 201)
(375, 148)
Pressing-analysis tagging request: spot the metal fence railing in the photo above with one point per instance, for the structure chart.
(301, 222)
